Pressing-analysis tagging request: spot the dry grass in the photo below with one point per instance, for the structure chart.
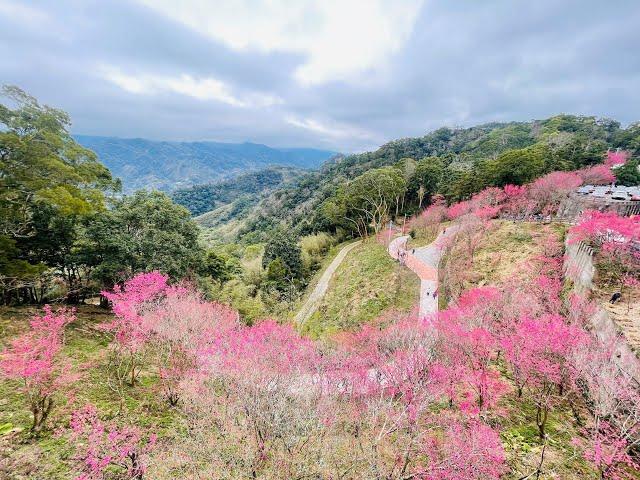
(490, 256)
(625, 313)
(506, 248)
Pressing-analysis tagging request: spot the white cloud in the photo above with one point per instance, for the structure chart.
(341, 39)
(23, 14)
(335, 130)
(207, 88)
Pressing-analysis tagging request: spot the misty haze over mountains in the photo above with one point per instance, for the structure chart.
(166, 166)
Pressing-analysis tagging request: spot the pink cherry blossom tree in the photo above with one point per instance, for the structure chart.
(597, 175)
(616, 241)
(606, 229)
(472, 231)
(616, 158)
(467, 449)
(35, 360)
(429, 220)
(518, 202)
(548, 191)
(608, 452)
(130, 326)
(258, 389)
(609, 375)
(538, 352)
(183, 325)
(468, 349)
(388, 383)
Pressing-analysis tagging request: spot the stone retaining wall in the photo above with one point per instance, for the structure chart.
(571, 208)
(579, 268)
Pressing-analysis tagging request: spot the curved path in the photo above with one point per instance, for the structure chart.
(313, 302)
(423, 262)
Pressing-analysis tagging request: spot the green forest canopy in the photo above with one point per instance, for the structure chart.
(66, 233)
(452, 162)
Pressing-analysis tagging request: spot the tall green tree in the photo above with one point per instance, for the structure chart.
(283, 247)
(219, 267)
(41, 164)
(426, 179)
(629, 138)
(142, 232)
(48, 183)
(372, 197)
(514, 167)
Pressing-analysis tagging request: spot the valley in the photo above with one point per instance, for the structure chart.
(319, 240)
(369, 319)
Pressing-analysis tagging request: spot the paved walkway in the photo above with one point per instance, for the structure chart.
(424, 262)
(313, 302)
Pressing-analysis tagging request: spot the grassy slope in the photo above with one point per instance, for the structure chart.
(626, 312)
(46, 457)
(505, 248)
(422, 237)
(500, 256)
(326, 261)
(367, 283)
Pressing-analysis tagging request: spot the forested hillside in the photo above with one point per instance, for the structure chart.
(194, 367)
(167, 166)
(246, 189)
(451, 162)
(66, 232)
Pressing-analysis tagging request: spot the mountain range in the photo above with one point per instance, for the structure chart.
(168, 166)
(454, 161)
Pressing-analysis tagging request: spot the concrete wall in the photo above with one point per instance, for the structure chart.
(578, 266)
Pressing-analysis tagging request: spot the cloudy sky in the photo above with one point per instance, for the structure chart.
(343, 74)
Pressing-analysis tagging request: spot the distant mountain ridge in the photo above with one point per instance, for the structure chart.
(457, 156)
(168, 166)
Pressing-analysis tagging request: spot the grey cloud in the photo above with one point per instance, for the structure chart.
(466, 62)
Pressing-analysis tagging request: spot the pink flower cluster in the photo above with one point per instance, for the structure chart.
(129, 303)
(33, 356)
(421, 396)
(541, 197)
(104, 444)
(607, 229)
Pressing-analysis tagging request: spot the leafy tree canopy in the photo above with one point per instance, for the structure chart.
(143, 232)
(629, 173)
(282, 246)
(41, 164)
(47, 183)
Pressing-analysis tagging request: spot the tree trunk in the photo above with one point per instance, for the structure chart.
(40, 410)
(104, 303)
(541, 420)
(133, 373)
